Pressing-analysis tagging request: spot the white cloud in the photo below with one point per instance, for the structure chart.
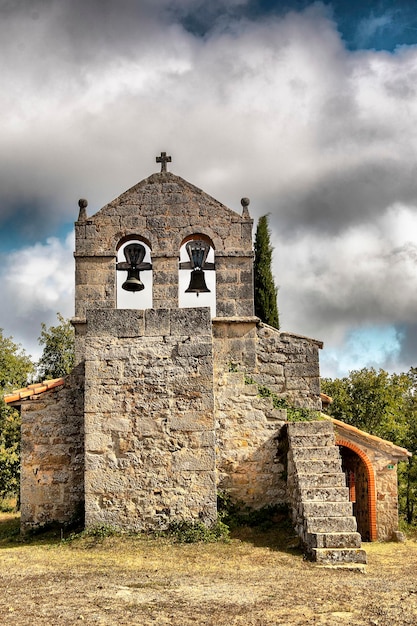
(341, 288)
(278, 110)
(37, 282)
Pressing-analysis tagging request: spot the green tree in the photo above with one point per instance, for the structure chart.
(16, 370)
(266, 307)
(58, 349)
(374, 401)
(385, 405)
(408, 471)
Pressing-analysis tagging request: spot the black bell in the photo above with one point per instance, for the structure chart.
(134, 254)
(133, 281)
(197, 282)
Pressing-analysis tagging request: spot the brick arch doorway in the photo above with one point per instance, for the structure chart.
(360, 479)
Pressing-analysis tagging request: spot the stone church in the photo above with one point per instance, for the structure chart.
(179, 391)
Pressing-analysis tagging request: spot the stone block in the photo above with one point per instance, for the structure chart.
(133, 223)
(224, 306)
(322, 480)
(227, 277)
(302, 370)
(97, 443)
(117, 423)
(194, 349)
(330, 524)
(339, 555)
(157, 322)
(190, 322)
(116, 323)
(273, 369)
(324, 494)
(193, 460)
(316, 454)
(311, 428)
(315, 440)
(316, 466)
(334, 540)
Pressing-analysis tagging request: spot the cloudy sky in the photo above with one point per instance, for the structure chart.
(309, 109)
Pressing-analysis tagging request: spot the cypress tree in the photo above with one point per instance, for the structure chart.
(266, 307)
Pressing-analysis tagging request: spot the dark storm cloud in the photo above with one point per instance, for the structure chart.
(347, 196)
(357, 291)
(273, 108)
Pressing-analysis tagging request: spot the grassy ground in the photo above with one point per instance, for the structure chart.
(259, 578)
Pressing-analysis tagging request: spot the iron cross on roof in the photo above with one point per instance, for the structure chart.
(163, 160)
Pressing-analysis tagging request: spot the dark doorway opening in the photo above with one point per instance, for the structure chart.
(357, 480)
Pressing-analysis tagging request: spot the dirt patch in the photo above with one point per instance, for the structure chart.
(258, 579)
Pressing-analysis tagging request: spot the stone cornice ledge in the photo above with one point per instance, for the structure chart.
(236, 320)
(284, 334)
(78, 320)
(317, 342)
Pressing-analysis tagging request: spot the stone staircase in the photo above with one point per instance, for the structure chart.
(319, 500)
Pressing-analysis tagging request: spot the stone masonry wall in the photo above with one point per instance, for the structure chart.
(149, 425)
(163, 211)
(249, 468)
(383, 463)
(52, 473)
(250, 355)
(288, 365)
(387, 500)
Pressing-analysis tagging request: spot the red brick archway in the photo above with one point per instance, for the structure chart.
(373, 534)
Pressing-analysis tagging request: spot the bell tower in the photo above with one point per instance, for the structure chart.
(163, 213)
(149, 369)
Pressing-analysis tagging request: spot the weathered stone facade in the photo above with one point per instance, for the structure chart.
(375, 490)
(166, 406)
(149, 418)
(52, 452)
(251, 356)
(163, 211)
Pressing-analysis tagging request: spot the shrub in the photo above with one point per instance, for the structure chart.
(195, 531)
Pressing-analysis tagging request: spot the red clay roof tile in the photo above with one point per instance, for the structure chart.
(32, 390)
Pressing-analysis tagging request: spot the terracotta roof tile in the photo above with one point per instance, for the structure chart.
(32, 390)
(325, 398)
(371, 438)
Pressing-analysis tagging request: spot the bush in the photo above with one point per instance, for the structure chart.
(194, 532)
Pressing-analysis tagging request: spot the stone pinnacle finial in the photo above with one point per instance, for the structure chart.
(83, 204)
(163, 160)
(245, 203)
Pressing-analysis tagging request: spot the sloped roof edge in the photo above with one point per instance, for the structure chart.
(165, 177)
(373, 440)
(33, 390)
(285, 333)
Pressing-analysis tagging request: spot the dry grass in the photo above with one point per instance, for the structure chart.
(257, 579)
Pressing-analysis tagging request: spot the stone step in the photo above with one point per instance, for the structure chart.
(316, 440)
(321, 480)
(316, 426)
(321, 511)
(314, 453)
(330, 524)
(318, 466)
(327, 509)
(325, 494)
(337, 556)
(333, 540)
(348, 567)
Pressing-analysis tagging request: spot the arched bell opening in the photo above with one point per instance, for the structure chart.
(360, 480)
(197, 275)
(134, 282)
